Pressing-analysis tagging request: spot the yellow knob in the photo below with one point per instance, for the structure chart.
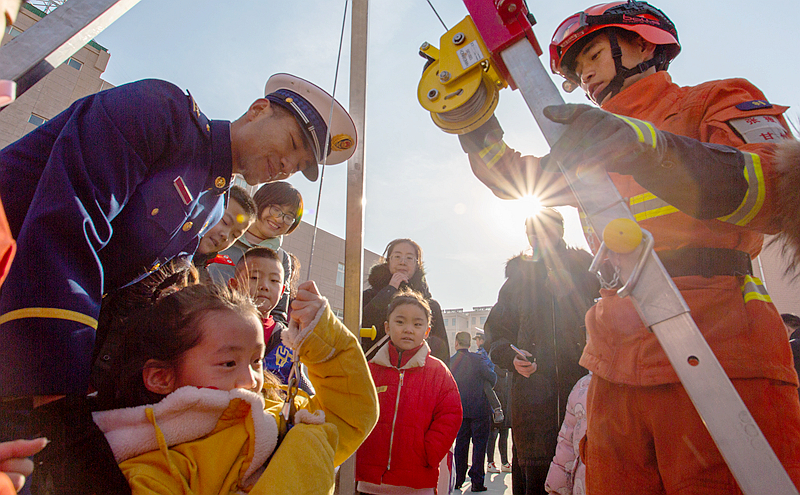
(622, 235)
(369, 333)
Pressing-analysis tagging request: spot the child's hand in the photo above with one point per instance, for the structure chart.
(397, 279)
(307, 303)
(14, 459)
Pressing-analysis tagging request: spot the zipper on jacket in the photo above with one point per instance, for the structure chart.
(394, 419)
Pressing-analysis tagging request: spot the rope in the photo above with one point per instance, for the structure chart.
(327, 143)
(437, 15)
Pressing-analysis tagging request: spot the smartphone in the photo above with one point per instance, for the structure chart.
(519, 352)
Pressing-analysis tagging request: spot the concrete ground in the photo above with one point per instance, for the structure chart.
(496, 483)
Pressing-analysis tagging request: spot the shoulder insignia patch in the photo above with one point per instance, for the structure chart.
(759, 129)
(754, 105)
(199, 118)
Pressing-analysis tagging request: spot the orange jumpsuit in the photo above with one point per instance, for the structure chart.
(644, 433)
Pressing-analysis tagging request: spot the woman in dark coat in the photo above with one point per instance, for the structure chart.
(400, 267)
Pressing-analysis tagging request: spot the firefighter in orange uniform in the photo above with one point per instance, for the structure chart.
(699, 172)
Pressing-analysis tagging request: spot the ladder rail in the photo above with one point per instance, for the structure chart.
(44, 46)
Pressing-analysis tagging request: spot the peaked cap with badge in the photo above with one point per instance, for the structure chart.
(321, 117)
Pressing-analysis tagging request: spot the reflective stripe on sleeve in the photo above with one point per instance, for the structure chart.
(56, 313)
(491, 154)
(648, 205)
(753, 289)
(754, 197)
(644, 130)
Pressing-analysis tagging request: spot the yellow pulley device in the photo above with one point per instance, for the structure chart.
(459, 85)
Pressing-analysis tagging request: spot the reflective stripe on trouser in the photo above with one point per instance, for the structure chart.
(753, 289)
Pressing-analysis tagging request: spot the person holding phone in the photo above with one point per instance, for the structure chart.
(536, 332)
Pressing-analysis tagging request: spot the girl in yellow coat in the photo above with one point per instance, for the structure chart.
(193, 419)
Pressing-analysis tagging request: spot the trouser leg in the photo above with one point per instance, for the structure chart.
(480, 436)
(462, 449)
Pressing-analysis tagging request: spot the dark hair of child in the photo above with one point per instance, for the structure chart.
(259, 252)
(238, 194)
(165, 331)
(282, 194)
(408, 296)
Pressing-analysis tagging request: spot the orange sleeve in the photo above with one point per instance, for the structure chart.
(510, 175)
(760, 207)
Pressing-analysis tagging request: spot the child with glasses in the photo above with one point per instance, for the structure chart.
(279, 208)
(399, 268)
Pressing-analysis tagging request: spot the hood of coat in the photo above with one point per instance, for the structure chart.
(187, 414)
(787, 163)
(387, 356)
(380, 276)
(574, 261)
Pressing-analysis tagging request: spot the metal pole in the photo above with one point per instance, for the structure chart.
(354, 230)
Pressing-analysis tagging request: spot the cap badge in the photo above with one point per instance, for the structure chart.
(341, 142)
(220, 182)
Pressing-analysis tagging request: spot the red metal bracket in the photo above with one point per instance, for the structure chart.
(502, 23)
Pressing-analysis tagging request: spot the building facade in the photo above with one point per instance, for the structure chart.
(458, 320)
(327, 265)
(77, 77)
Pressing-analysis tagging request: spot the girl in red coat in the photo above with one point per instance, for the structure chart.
(419, 403)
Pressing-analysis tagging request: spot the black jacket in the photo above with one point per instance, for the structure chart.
(541, 309)
(376, 300)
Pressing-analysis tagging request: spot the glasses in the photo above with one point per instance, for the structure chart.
(397, 258)
(276, 212)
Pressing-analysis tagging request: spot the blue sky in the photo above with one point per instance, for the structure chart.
(418, 181)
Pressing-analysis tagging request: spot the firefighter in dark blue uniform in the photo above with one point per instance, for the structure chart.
(102, 195)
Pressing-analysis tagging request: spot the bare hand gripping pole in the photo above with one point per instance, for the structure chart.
(506, 33)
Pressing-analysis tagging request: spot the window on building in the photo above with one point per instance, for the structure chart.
(14, 32)
(483, 320)
(454, 322)
(340, 275)
(36, 120)
(74, 63)
(339, 313)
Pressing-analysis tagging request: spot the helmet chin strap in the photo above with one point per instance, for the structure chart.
(622, 73)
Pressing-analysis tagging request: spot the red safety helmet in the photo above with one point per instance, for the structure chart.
(638, 17)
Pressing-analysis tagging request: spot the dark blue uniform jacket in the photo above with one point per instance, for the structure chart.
(470, 371)
(97, 198)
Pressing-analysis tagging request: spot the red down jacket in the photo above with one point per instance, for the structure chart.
(420, 417)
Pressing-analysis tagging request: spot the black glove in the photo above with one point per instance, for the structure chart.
(703, 180)
(487, 134)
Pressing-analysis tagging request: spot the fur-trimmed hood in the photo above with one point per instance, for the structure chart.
(380, 276)
(187, 414)
(570, 259)
(787, 164)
